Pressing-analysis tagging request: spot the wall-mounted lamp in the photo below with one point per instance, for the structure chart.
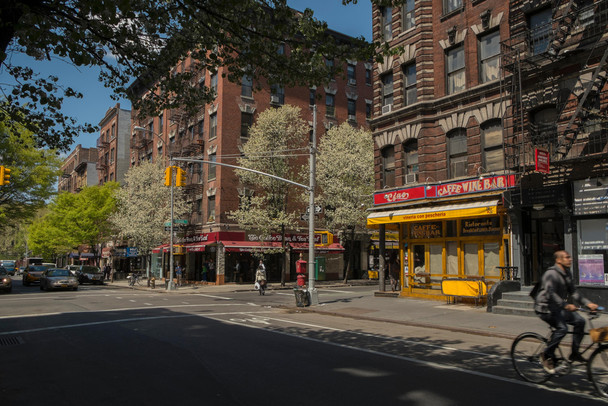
(428, 187)
(480, 169)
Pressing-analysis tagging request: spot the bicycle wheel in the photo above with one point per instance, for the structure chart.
(597, 370)
(525, 355)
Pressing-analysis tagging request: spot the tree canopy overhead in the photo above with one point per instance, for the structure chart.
(146, 39)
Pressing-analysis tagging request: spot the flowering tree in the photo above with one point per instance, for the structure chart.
(345, 177)
(144, 206)
(271, 148)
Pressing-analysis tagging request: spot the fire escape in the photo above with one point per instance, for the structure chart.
(533, 62)
(102, 164)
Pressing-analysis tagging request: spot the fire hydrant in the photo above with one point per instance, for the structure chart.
(153, 282)
(301, 272)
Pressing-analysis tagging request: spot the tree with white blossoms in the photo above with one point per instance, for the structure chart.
(144, 205)
(272, 148)
(345, 177)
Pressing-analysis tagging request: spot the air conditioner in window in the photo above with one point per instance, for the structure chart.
(274, 99)
(411, 178)
(387, 109)
(352, 82)
(352, 117)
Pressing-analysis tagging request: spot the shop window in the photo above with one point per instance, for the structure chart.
(420, 274)
(388, 166)
(493, 155)
(489, 56)
(457, 153)
(451, 248)
(491, 259)
(471, 261)
(436, 260)
(451, 228)
(455, 69)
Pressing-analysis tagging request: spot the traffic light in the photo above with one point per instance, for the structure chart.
(323, 238)
(168, 176)
(180, 177)
(5, 175)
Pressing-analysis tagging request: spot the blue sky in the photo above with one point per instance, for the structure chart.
(353, 20)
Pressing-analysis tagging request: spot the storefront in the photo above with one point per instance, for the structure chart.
(458, 229)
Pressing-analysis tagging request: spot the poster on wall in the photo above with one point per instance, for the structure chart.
(591, 270)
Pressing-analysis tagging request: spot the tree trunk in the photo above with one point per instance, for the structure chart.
(351, 254)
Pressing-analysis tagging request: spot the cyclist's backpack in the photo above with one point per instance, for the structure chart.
(535, 290)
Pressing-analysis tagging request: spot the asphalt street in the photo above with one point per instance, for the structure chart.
(111, 344)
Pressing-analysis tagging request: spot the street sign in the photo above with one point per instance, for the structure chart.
(318, 209)
(175, 221)
(304, 216)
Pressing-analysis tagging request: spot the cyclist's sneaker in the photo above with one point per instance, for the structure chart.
(576, 357)
(548, 364)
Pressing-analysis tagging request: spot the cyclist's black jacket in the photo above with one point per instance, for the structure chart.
(556, 287)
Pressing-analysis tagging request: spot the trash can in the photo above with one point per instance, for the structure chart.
(302, 297)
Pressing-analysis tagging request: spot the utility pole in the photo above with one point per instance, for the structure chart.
(314, 295)
(170, 286)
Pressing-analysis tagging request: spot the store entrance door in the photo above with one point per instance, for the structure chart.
(546, 237)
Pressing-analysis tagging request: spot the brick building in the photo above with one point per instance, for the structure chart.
(217, 133)
(113, 145)
(78, 170)
(490, 138)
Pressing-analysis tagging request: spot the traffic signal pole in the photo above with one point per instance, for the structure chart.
(170, 286)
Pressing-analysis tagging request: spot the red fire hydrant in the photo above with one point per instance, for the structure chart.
(301, 272)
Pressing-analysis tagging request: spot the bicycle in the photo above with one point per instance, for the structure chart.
(134, 279)
(528, 347)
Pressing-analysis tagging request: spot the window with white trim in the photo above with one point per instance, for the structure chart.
(455, 69)
(457, 153)
(489, 56)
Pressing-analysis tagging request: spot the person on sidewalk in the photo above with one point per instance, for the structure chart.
(260, 277)
(178, 275)
(552, 306)
(393, 271)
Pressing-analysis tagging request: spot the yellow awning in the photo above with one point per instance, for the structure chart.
(453, 211)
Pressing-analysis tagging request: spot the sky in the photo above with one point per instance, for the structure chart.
(353, 19)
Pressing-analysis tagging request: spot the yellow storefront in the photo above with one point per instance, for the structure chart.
(447, 238)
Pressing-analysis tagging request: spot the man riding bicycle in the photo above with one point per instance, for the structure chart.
(552, 307)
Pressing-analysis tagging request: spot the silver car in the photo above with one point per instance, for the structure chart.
(57, 278)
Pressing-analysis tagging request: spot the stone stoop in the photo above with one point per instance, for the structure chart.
(516, 303)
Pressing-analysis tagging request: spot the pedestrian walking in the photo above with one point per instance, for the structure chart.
(204, 272)
(260, 277)
(106, 272)
(393, 272)
(178, 275)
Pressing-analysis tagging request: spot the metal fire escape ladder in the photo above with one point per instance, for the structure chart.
(564, 24)
(595, 84)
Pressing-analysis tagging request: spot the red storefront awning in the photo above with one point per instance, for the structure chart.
(197, 246)
(165, 248)
(302, 246)
(248, 246)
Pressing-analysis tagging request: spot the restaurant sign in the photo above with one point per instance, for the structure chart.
(488, 184)
(481, 226)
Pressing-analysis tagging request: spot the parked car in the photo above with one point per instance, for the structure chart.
(58, 278)
(20, 270)
(6, 283)
(32, 273)
(9, 265)
(87, 274)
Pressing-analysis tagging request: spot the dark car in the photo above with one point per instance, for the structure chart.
(6, 283)
(32, 274)
(87, 274)
(58, 278)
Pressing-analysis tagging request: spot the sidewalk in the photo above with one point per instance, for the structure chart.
(463, 318)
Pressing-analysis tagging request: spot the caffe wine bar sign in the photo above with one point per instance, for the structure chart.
(487, 184)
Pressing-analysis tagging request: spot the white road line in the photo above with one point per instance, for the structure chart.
(213, 296)
(148, 304)
(337, 291)
(133, 301)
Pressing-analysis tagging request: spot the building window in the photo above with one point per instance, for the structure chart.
(160, 151)
(277, 94)
(489, 55)
(544, 127)
(491, 139)
(352, 109)
(409, 83)
(113, 131)
(150, 129)
(368, 76)
(213, 126)
(247, 86)
(407, 15)
(387, 89)
(214, 83)
(211, 170)
(330, 105)
(160, 123)
(387, 23)
(368, 110)
(451, 5)
(456, 74)
(540, 31)
(312, 97)
(201, 127)
(351, 74)
(388, 166)
(457, 153)
(246, 122)
(410, 157)
(112, 155)
(329, 64)
(211, 209)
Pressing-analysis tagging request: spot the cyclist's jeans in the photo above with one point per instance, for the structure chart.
(560, 320)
